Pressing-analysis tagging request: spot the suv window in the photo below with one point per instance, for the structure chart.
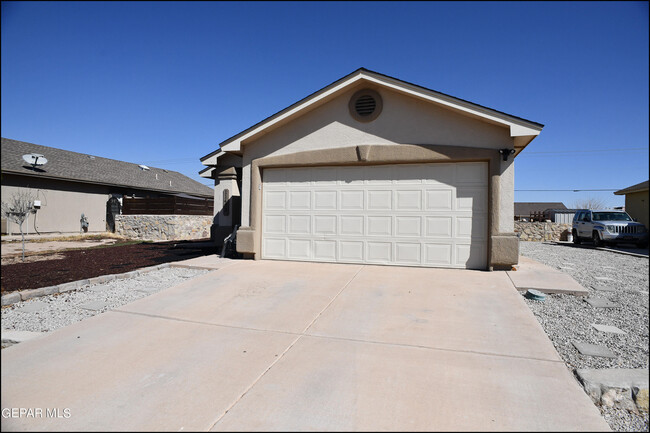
(611, 216)
(586, 216)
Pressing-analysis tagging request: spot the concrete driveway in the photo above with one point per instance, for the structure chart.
(270, 345)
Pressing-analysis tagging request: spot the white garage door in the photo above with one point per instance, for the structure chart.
(411, 214)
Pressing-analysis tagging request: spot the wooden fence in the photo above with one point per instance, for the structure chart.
(167, 206)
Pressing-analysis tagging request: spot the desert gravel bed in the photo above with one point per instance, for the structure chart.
(63, 309)
(567, 318)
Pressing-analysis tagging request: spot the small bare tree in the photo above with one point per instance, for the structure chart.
(589, 203)
(19, 206)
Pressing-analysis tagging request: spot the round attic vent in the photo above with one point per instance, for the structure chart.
(365, 105)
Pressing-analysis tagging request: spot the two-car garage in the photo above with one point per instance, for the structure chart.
(431, 215)
(372, 169)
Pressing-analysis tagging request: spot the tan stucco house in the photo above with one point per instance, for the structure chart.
(636, 201)
(372, 169)
(72, 183)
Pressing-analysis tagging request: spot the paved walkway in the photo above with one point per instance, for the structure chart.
(271, 345)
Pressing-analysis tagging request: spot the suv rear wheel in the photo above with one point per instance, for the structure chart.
(576, 238)
(597, 241)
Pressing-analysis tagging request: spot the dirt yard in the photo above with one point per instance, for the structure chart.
(58, 267)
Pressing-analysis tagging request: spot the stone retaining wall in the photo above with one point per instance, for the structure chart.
(163, 227)
(542, 231)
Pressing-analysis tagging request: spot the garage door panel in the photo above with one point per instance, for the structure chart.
(299, 248)
(299, 200)
(352, 225)
(299, 225)
(408, 226)
(380, 226)
(471, 199)
(471, 228)
(438, 254)
(438, 200)
(408, 200)
(275, 177)
(324, 176)
(440, 174)
(351, 199)
(349, 176)
(379, 252)
(325, 250)
(275, 200)
(299, 176)
(325, 224)
(471, 173)
(438, 227)
(351, 250)
(380, 200)
(325, 200)
(415, 215)
(407, 253)
(274, 248)
(275, 224)
(471, 256)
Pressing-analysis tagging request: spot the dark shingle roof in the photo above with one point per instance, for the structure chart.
(643, 186)
(525, 208)
(80, 167)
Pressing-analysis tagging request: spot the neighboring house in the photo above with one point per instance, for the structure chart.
(636, 201)
(72, 183)
(541, 211)
(372, 169)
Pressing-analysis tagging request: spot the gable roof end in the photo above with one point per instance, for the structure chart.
(522, 129)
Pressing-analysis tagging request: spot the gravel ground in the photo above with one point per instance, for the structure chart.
(64, 309)
(567, 318)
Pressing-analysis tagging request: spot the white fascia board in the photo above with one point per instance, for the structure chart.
(211, 160)
(521, 131)
(207, 173)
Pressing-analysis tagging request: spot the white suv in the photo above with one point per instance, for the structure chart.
(608, 226)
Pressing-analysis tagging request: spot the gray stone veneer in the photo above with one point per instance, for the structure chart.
(542, 231)
(163, 227)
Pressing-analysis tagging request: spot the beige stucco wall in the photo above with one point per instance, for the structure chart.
(636, 204)
(62, 204)
(404, 120)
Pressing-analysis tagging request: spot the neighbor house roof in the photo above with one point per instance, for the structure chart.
(526, 208)
(643, 186)
(522, 129)
(85, 168)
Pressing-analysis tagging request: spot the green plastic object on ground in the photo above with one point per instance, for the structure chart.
(535, 295)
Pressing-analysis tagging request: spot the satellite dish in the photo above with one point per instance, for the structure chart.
(143, 167)
(35, 159)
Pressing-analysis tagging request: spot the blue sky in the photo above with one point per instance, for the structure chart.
(162, 83)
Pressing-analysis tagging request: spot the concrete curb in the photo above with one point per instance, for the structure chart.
(24, 295)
